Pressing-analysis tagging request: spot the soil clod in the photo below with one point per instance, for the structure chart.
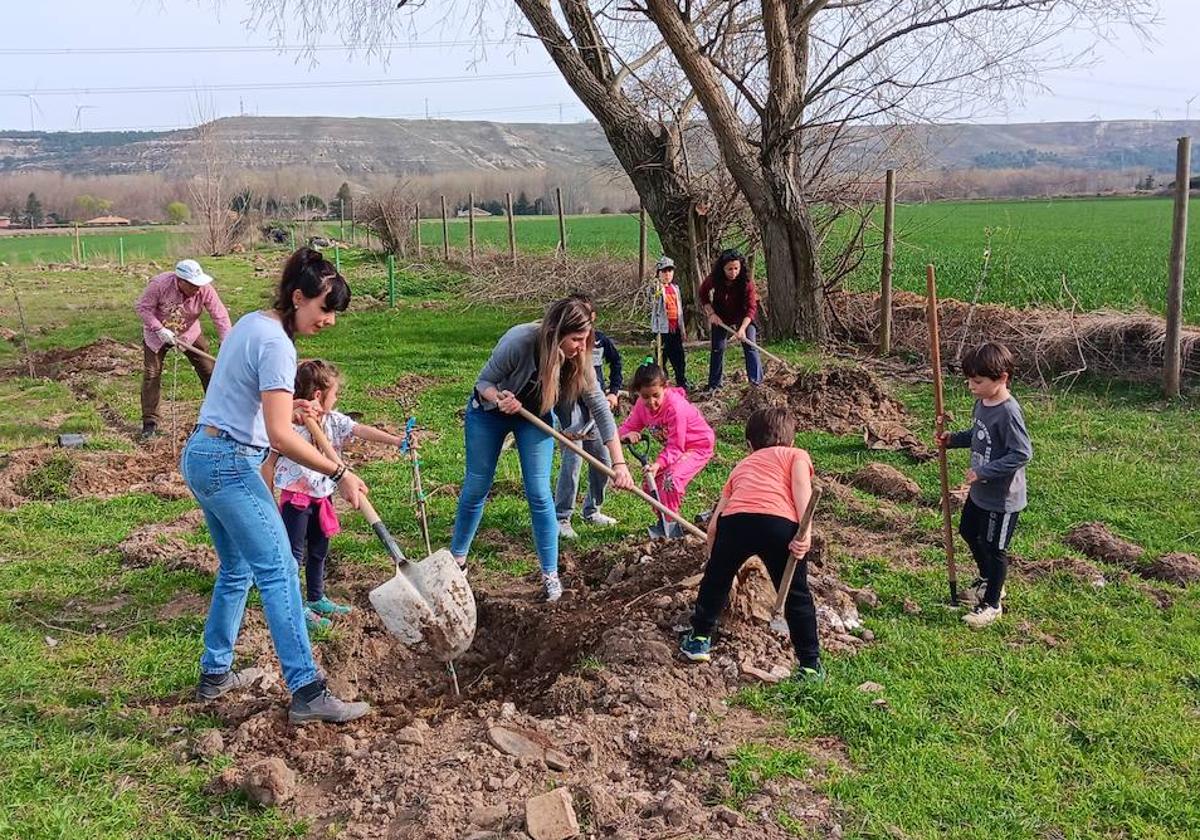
(886, 481)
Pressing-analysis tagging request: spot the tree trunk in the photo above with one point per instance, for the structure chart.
(795, 304)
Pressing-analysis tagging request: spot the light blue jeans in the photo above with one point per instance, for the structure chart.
(566, 489)
(485, 433)
(253, 548)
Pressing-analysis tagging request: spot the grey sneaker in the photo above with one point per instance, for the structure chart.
(213, 686)
(553, 585)
(565, 531)
(600, 519)
(325, 708)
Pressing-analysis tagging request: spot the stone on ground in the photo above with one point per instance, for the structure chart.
(551, 816)
(270, 782)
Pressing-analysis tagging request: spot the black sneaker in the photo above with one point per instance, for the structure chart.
(325, 708)
(213, 686)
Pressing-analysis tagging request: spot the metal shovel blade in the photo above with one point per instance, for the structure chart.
(665, 531)
(429, 602)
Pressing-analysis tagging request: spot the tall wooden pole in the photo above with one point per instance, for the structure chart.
(512, 228)
(562, 222)
(1171, 353)
(939, 408)
(885, 273)
(417, 237)
(642, 260)
(445, 232)
(471, 223)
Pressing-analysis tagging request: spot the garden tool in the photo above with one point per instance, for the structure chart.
(426, 602)
(778, 623)
(935, 359)
(607, 470)
(195, 351)
(766, 353)
(663, 530)
(408, 447)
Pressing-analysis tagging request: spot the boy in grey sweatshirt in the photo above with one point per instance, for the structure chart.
(1000, 449)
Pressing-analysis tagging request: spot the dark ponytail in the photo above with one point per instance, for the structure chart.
(309, 271)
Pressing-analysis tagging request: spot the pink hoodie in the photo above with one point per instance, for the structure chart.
(678, 425)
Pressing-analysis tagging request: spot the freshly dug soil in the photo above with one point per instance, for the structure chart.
(167, 545)
(100, 474)
(887, 482)
(1080, 570)
(1095, 540)
(1179, 569)
(406, 390)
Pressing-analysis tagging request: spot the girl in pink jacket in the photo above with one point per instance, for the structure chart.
(687, 439)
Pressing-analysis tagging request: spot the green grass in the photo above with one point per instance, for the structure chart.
(42, 248)
(615, 234)
(992, 733)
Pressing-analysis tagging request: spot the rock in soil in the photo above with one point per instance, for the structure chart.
(551, 816)
(210, 743)
(886, 481)
(1095, 540)
(270, 782)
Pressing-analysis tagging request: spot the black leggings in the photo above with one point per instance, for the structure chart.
(987, 534)
(673, 351)
(739, 537)
(304, 528)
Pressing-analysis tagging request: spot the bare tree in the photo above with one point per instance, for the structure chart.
(803, 98)
(220, 226)
(389, 211)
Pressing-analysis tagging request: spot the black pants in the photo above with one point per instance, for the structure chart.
(739, 537)
(987, 534)
(673, 351)
(304, 527)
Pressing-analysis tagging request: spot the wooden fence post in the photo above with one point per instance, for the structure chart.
(417, 214)
(391, 275)
(471, 224)
(512, 228)
(641, 244)
(77, 254)
(885, 272)
(1171, 352)
(445, 233)
(562, 223)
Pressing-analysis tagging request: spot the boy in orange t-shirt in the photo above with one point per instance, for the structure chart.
(759, 514)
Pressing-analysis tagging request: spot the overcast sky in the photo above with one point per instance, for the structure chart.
(40, 55)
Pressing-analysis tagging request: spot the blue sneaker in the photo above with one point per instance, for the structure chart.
(696, 648)
(327, 607)
(316, 623)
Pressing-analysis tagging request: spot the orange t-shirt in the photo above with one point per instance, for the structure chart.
(672, 304)
(762, 482)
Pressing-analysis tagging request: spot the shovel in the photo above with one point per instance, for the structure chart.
(608, 471)
(429, 601)
(778, 623)
(766, 353)
(663, 530)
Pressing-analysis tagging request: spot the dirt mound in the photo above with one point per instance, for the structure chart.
(592, 688)
(104, 357)
(841, 400)
(890, 436)
(168, 546)
(406, 390)
(1073, 567)
(48, 473)
(1179, 569)
(886, 481)
(1095, 540)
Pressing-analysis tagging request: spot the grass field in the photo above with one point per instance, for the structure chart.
(991, 734)
(140, 245)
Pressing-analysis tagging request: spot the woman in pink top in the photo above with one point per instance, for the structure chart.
(759, 515)
(685, 435)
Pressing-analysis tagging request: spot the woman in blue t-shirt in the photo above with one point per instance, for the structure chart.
(247, 411)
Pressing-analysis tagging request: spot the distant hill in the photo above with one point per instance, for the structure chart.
(382, 146)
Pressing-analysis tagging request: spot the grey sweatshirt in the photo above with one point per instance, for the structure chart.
(513, 364)
(1000, 449)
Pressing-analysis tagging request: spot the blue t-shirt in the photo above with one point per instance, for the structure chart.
(256, 356)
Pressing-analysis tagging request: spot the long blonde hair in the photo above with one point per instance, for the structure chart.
(575, 375)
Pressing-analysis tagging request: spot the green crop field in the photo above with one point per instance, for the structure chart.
(43, 248)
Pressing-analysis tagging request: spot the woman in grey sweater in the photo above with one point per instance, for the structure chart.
(536, 366)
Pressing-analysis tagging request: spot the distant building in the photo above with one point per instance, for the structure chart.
(5, 222)
(106, 221)
(475, 211)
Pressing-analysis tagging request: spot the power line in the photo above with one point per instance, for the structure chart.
(277, 48)
(243, 86)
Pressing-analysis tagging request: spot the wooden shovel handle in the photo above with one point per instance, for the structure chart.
(608, 471)
(195, 351)
(766, 353)
(789, 572)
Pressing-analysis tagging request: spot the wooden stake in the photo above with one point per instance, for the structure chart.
(78, 255)
(445, 232)
(417, 214)
(512, 228)
(642, 256)
(471, 224)
(885, 272)
(562, 223)
(939, 408)
(1171, 352)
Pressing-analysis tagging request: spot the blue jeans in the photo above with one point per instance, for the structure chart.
(566, 489)
(485, 433)
(716, 358)
(253, 548)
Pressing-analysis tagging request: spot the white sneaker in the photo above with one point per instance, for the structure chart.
(565, 531)
(982, 615)
(553, 586)
(599, 518)
(973, 594)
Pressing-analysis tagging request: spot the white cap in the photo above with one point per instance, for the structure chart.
(189, 271)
